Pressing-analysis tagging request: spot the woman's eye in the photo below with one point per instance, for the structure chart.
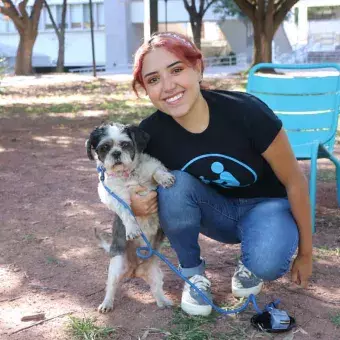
(152, 80)
(177, 70)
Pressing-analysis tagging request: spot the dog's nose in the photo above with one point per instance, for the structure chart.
(116, 154)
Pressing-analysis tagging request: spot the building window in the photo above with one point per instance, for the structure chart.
(323, 13)
(76, 16)
(100, 16)
(87, 21)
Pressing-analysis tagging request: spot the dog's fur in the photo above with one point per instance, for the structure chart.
(119, 149)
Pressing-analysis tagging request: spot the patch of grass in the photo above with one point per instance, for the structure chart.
(336, 319)
(187, 327)
(326, 251)
(86, 329)
(66, 107)
(52, 260)
(41, 109)
(29, 237)
(327, 175)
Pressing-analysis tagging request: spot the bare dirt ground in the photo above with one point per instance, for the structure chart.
(50, 262)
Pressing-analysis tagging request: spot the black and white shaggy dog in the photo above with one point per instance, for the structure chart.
(119, 149)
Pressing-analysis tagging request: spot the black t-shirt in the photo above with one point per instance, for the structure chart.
(227, 155)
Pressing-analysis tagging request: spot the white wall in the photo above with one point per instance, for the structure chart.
(324, 26)
(235, 32)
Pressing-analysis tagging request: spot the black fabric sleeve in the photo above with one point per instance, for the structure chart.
(261, 122)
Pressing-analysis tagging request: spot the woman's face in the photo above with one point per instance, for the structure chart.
(172, 86)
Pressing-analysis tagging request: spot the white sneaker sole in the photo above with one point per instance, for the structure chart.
(196, 309)
(245, 292)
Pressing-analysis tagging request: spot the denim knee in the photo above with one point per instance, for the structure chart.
(267, 269)
(269, 239)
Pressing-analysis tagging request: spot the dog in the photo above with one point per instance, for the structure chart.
(119, 149)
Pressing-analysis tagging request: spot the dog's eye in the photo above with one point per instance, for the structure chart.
(125, 144)
(104, 148)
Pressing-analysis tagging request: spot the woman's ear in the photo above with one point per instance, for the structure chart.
(198, 69)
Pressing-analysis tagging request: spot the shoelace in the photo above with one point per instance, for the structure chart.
(201, 282)
(242, 271)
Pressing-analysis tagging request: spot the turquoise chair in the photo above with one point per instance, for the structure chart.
(308, 104)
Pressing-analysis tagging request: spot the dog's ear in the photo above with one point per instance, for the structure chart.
(89, 149)
(139, 136)
(93, 140)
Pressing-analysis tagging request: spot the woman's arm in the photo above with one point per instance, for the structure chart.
(281, 158)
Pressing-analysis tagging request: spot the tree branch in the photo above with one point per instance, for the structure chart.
(186, 5)
(36, 11)
(22, 9)
(201, 7)
(269, 19)
(282, 12)
(63, 17)
(9, 10)
(193, 5)
(5, 11)
(260, 12)
(8, 4)
(208, 5)
(247, 8)
(57, 32)
(278, 5)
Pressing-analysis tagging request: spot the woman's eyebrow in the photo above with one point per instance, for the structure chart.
(155, 72)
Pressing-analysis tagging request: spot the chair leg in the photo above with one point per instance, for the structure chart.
(312, 187)
(337, 172)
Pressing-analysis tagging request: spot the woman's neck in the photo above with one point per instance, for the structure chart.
(197, 118)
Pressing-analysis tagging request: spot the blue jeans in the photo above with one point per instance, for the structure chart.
(265, 227)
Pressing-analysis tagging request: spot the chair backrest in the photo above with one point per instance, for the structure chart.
(306, 99)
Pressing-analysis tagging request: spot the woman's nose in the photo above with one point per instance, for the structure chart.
(168, 84)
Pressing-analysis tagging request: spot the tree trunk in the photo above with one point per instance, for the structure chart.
(61, 53)
(23, 63)
(196, 27)
(262, 44)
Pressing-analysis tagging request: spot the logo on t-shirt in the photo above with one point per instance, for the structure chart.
(221, 170)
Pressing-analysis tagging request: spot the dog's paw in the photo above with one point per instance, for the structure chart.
(133, 232)
(164, 178)
(164, 302)
(105, 307)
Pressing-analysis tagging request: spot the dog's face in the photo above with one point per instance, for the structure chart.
(117, 146)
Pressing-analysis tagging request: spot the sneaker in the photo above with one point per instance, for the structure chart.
(244, 282)
(192, 302)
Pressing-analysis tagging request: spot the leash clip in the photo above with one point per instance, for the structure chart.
(101, 170)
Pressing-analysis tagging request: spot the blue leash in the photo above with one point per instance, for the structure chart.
(150, 251)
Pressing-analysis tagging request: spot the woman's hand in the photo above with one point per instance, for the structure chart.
(143, 205)
(302, 269)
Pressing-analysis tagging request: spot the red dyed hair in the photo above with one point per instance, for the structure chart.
(178, 44)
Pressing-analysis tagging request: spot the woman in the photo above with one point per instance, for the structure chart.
(237, 180)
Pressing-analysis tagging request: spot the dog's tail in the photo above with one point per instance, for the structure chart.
(103, 243)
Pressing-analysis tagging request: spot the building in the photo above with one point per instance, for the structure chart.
(119, 29)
